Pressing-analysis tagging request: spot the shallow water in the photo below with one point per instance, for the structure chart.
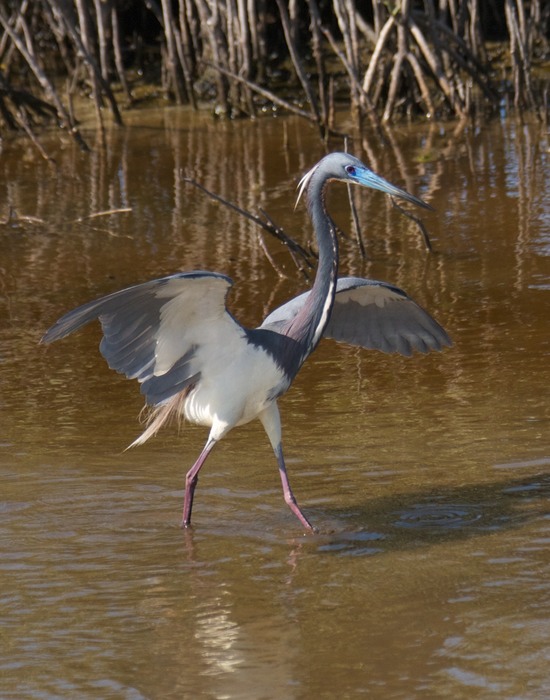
(428, 478)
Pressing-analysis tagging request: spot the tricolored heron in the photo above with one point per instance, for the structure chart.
(195, 361)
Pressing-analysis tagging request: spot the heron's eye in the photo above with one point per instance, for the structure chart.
(351, 170)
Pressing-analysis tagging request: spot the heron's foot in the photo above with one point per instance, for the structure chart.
(295, 508)
(310, 529)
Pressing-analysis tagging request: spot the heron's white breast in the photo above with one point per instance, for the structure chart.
(236, 391)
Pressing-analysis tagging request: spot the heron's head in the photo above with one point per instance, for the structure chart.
(347, 168)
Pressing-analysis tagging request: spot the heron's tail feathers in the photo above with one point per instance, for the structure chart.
(164, 413)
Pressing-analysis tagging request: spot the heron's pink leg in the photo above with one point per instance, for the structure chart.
(191, 479)
(272, 423)
(290, 499)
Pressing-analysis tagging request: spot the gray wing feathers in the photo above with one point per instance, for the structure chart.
(152, 331)
(373, 315)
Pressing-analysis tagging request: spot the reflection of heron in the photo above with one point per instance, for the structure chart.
(194, 360)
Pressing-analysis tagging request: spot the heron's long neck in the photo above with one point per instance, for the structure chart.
(308, 325)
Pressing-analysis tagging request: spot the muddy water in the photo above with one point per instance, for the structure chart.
(427, 477)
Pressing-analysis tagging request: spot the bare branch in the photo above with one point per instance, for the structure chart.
(417, 221)
(272, 229)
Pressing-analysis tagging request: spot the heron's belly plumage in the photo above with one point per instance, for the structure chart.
(236, 392)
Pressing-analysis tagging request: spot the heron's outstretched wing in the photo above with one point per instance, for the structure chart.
(373, 315)
(160, 332)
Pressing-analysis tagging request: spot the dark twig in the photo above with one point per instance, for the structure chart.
(417, 221)
(356, 224)
(268, 255)
(355, 216)
(297, 257)
(268, 226)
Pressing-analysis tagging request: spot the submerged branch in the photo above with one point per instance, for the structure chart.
(97, 214)
(297, 251)
(417, 221)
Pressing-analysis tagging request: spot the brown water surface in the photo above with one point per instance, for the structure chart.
(428, 477)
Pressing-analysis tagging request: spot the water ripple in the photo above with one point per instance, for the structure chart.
(437, 516)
